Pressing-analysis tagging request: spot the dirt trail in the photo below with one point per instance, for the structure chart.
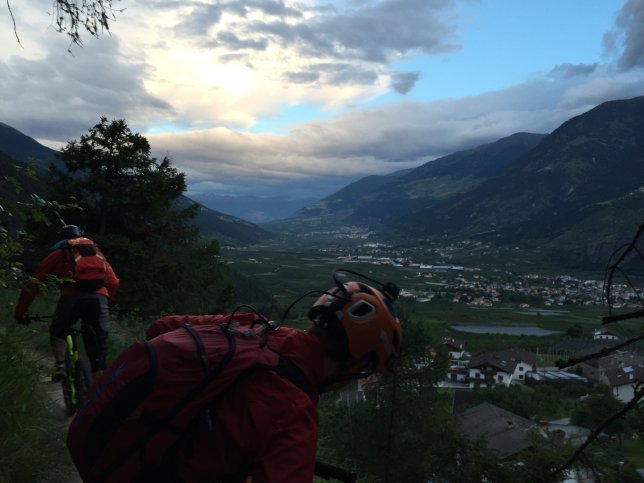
(56, 406)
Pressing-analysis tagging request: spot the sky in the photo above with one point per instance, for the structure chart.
(300, 98)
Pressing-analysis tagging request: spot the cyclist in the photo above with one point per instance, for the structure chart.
(85, 299)
(266, 428)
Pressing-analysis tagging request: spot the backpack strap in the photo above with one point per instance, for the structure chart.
(201, 351)
(289, 371)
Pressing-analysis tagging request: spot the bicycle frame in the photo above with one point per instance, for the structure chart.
(78, 371)
(74, 354)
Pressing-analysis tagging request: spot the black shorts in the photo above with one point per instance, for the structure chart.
(93, 312)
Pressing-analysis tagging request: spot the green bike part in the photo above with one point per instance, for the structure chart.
(73, 358)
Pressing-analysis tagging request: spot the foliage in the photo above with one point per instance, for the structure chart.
(404, 430)
(129, 206)
(595, 409)
(121, 187)
(26, 425)
(72, 17)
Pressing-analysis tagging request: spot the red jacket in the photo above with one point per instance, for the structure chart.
(57, 264)
(266, 427)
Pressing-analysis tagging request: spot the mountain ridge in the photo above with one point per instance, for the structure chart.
(25, 150)
(577, 191)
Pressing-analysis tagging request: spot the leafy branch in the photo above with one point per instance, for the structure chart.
(72, 17)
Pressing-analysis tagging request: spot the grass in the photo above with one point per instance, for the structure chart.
(634, 452)
(27, 426)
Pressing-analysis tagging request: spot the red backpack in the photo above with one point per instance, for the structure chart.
(158, 391)
(87, 262)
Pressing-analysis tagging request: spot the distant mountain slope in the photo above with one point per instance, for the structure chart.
(579, 170)
(15, 146)
(226, 228)
(577, 192)
(255, 209)
(443, 178)
(20, 147)
(377, 201)
(332, 211)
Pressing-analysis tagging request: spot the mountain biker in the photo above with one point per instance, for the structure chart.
(79, 299)
(264, 427)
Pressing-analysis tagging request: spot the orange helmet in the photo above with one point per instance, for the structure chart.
(367, 317)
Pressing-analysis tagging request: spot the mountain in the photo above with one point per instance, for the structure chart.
(379, 201)
(333, 211)
(228, 229)
(18, 149)
(585, 177)
(577, 192)
(21, 147)
(256, 209)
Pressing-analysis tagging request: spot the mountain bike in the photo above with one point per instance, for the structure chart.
(78, 371)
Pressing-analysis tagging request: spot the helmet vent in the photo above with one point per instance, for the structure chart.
(361, 310)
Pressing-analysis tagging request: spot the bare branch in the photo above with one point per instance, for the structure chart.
(601, 353)
(15, 30)
(591, 437)
(612, 268)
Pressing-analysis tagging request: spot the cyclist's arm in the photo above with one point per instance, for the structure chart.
(49, 266)
(112, 282)
(290, 456)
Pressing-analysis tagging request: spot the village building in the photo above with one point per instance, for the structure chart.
(502, 367)
(623, 381)
(504, 432)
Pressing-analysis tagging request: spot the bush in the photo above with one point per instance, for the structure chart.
(27, 427)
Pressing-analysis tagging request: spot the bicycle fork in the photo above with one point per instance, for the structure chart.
(72, 360)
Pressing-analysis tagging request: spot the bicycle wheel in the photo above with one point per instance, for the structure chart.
(83, 378)
(68, 386)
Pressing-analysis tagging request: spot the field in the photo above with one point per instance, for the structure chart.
(291, 270)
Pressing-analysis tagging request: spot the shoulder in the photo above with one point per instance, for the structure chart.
(80, 241)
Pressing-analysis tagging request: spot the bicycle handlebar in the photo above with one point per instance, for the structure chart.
(38, 318)
(327, 471)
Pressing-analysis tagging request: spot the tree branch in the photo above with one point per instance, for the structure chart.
(15, 30)
(630, 405)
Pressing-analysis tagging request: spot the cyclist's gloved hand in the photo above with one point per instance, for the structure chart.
(21, 319)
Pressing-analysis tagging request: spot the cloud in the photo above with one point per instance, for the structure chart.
(404, 82)
(627, 36)
(381, 139)
(255, 58)
(58, 96)
(370, 35)
(572, 70)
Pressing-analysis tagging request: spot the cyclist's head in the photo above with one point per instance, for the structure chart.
(69, 231)
(363, 319)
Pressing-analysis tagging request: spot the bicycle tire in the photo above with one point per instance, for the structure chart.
(68, 386)
(83, 379)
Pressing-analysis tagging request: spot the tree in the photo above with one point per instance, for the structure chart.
(132, 205)
(405, 430)
(72, 17)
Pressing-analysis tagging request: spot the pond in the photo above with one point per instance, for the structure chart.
(504, 329)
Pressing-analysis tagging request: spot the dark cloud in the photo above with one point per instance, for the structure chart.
(200, 20)
(203, 16)
(60, 96)
(627, 36)
(380, 32)
(333, 73)
(308, 77)
(232, 41)
(373, 33)
(404, 82)
(571, 70)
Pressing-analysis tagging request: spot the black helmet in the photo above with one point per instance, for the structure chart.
(69, 231)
